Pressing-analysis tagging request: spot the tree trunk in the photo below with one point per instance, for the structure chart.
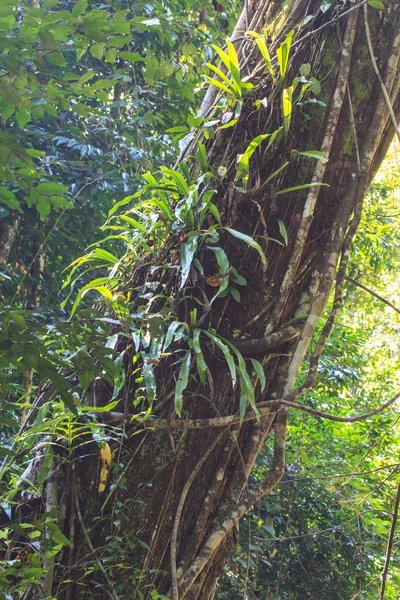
(8, 230)
(169, 520)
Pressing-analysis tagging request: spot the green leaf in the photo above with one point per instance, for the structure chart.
(243, 163)
(311, 154)
(232, 85)
(56, 58)
(79, 8)
(376, 4)
(201, 156)
(219, 85)
(97, 50)
(283, 53)
(235, 294)
(181, 384)
(51, 188)
(59, 538)
(260, 41)
(260, 372)
(246, 388)
(46, 465)
(171, 332)
(249, 240)
(287, 97)
(305, 70)
(282, 231)
(301, 187)
(315, 86)
(188, 251)
(234, 63)
(9, 199)
(43, 206)
(132, 57)
(274, 174)
(226, 352)
(223, 265)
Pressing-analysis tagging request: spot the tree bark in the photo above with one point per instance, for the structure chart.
(202, 475)
(8, 231)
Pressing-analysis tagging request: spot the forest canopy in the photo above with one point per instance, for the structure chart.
(199, 301)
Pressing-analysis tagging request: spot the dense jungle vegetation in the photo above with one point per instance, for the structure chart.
(199, 299)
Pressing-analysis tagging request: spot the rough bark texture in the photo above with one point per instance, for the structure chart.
(296, 283)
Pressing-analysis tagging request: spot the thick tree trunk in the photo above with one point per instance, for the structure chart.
(202, 473)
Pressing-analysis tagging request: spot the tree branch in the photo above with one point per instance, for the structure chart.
(372, 293)
(393, 60)
(216, 537)
(254, 346)
(178, 514)
(390, 543)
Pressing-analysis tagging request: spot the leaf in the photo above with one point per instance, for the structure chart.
(51, 188)
(234, 63)
(260, 41)
(312, 154)
(132, 57)
(43, 206)
(282, 231)
(235, 294)
(232, 85)
(260, 372)
(201, 156)
(376, 4)
(188, 251)
(9, 198)
(315, 86)
(225, 350)
(243, 163)
(219, 85)
(305, 70)
(171, 333)
(200, 362)
(181, 384)
(97, 50)
(46, 465)
(287, 97)
(102, 290)
(274, 174)
(301, 187)
(246, 388)
(224, 266)
(56, 58)
(249, 240)
(283, 53)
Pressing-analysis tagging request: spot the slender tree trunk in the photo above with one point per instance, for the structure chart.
(8, 230)
(169, 519)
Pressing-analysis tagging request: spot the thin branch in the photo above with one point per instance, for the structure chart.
(264, 408)
(304, 225)
(365, 587)
(323, 415)
(178, 514)
(393, 66)
(321, 531)
(390, 543)
(372, 293)
(378, 441)
(354, 474)
(250, 498)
